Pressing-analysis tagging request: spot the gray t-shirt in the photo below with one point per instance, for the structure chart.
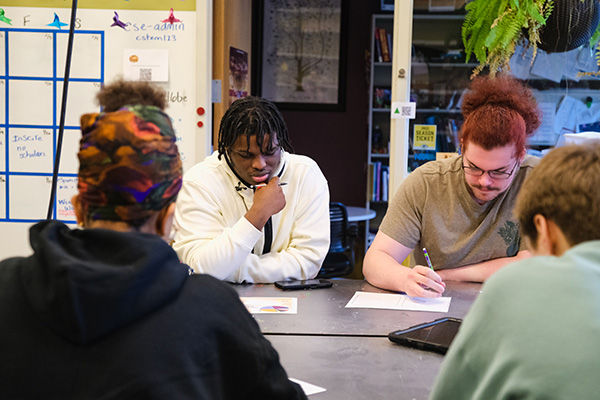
(433, 209)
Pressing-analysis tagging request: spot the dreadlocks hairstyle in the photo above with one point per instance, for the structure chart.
(253, 116)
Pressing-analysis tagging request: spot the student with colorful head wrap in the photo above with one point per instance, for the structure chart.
(109, 311)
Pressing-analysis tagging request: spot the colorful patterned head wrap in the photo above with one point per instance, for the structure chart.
(129, 165)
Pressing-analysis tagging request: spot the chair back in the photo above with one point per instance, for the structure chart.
(340, 257)
(338, 219)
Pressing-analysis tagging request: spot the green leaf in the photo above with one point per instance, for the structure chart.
(535, 14)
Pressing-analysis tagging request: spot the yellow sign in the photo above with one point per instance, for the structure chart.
(424, 137)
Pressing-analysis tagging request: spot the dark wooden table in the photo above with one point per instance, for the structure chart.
(346, 350)
(323, 312)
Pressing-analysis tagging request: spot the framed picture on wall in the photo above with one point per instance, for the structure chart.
(302, 57)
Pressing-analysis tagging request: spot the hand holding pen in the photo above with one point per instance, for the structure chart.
(268, 200)
(425, 281)
(427, 258)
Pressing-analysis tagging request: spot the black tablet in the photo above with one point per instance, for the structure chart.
(433, 336)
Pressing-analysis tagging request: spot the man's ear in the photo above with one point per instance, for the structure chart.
(551, 239)
(78, 210)
(164, 221)
(522, 155)
(543, 243)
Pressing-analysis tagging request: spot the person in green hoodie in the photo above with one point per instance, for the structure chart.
(532, 333)
(109, 311)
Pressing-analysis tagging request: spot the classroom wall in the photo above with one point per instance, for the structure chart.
(232, 27)
(338, 140)
(33, 80)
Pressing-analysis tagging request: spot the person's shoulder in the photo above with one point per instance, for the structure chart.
(523, 274)
(441, 167)
(530, 161)
(299, 159)
(303, 164)
(204, 169)
(9, 268)
(209, 282)
(437, 172)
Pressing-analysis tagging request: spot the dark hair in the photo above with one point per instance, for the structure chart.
(565, 188)
(499, 111)
(120, 93)
(253, 116)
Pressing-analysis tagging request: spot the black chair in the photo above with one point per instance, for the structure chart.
(340, 257)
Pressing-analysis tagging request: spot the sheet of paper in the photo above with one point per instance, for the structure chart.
(550, 66)
(271, 305)
(586, 60)
(545, 134)
(567, 113)
(146, 65)
(571, 65)
(308, 388)
(520, 62)
(392, 301)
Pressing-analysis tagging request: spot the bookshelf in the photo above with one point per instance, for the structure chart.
(380, 87)
(438, 78)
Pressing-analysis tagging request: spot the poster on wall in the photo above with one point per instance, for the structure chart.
(238, 74)
(303, 54)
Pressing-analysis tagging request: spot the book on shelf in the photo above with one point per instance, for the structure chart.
(385, 179)
(379, 176)
(370, 182)
(385, 50)
(376, 180)
(378, 55)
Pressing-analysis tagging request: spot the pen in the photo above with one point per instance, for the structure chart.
(427, 258)
(263, 185)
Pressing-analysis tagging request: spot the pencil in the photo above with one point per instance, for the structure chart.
(264, 184)
(427, 258)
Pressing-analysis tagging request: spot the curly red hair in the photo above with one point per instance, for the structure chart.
(499, 111)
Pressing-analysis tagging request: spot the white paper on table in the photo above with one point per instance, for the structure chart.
(308, 388)
(271, 305)
(392, 301)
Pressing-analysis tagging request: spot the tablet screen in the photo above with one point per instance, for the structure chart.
(435, 335)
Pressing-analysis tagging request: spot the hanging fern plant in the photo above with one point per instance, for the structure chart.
(493, 28)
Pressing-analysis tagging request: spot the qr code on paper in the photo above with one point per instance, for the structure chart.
(406, 111)
(145, 74)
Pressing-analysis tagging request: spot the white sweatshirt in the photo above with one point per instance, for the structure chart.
(213, 237)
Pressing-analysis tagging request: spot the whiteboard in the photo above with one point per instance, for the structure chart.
(33, 51)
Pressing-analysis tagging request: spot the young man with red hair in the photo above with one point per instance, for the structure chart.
(461, 209)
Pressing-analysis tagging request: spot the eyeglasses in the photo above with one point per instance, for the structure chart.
(494, 174)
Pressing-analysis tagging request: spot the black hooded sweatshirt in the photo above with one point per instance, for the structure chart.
(99, 314)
